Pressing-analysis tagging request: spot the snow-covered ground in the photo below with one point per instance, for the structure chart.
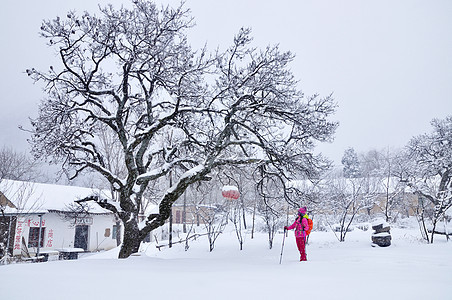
(408, 269)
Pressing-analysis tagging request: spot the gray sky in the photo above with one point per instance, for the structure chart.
(388, 63)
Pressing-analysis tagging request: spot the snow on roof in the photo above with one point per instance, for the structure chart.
(31, 197)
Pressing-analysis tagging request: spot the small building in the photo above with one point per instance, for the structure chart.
(44, 216)
(192, 214)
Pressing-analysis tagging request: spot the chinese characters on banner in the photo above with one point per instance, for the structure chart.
(21, 223)
(19, 230)
(36, 223)
(49, 238)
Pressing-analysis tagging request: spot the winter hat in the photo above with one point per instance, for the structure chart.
(302, 210)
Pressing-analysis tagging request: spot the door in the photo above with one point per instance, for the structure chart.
(81, 237)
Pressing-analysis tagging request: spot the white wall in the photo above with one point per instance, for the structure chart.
(60, 232)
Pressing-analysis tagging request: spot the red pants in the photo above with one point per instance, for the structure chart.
(301, 244)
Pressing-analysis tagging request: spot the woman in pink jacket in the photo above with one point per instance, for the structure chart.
(301, 226)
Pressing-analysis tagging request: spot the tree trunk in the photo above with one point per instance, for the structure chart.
(270, 240)
(118, 233)
(170, 231)
(132, 239)
(184, 214)
(243, 215)
(422, 227)
(254, 217)
(446, 232)
(433, 231)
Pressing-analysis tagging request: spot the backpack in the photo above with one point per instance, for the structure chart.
(310, 224)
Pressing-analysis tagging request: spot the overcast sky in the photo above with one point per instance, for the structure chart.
(388, 63)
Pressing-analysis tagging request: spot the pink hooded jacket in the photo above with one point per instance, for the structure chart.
(300, 224)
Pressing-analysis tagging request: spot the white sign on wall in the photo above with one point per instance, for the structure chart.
(84, 221)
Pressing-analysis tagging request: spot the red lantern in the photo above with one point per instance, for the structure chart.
(230, 192)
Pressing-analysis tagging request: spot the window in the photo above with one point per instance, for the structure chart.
(33, 237)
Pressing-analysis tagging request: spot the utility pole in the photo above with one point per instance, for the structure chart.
(39, 235)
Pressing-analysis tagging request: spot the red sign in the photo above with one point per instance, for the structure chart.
(49, 238)
(18, 235)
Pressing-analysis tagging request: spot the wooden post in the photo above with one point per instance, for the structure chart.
(39, 235)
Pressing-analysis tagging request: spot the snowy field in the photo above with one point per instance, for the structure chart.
(408, 269)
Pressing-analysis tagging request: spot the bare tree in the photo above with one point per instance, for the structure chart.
(271, 191)
(215, 220)
(393, 177)
(133, 73)
(18, 166)
(205, 207)
(431, 173)
(239, 177)
(345, 198)
(236, 217)
(386, 169)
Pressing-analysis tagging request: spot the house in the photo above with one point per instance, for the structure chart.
(372, 193)
(37, 217)
(194, 214)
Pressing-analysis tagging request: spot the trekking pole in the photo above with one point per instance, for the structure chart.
(282, 248)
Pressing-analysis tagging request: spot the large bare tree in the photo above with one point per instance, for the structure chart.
(172, 109)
